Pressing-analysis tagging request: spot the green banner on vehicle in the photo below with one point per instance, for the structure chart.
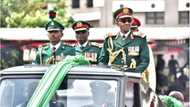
(52, 79)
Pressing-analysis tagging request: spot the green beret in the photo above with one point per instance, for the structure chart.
(54, 26)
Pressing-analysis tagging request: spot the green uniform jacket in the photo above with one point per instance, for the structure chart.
(91, 51)
(128, 52)
(45, 53)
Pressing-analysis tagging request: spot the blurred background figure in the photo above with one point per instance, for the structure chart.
(173, 66)
(10, 56)
(160, 64)
(181, 84)
(161, 79)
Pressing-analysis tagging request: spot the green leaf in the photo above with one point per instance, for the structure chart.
(24, 13)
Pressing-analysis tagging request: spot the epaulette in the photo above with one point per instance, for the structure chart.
(111, 35)
(44, 46)
(96, 44)
(139, 34)
(65, 43)
(69, 44)
(72, 45)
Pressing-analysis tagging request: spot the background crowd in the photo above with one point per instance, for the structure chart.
(172, 77)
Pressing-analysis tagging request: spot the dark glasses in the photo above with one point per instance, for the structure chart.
(81, 31)
(126, 19)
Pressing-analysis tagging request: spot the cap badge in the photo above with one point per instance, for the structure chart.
(79, 24)
(52, 23)
(126, 11)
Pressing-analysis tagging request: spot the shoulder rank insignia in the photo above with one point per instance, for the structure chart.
(139, 34)
(69, 44)
(44, 46)
(110, 35)
(96, 44)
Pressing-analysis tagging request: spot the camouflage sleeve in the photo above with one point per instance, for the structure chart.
(144, 56)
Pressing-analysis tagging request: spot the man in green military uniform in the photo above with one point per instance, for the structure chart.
(89, 49)
(56, 50)
(124, 49)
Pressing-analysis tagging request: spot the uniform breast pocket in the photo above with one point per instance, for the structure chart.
(133, 50)
(91, 56)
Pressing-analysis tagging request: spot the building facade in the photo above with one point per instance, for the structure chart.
(152, 13)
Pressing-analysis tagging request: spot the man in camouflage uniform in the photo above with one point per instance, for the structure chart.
(89, 49)
(124, 49)
(56, 50)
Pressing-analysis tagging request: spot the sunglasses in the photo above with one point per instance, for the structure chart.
(82, 31)
(134, 28)
(124, 20)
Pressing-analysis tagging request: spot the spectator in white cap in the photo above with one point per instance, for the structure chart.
(178, 95)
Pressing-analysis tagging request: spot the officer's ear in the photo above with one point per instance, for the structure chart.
(62, 33)
(88, 32)
(116, 21)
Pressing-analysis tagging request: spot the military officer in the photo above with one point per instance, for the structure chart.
(134, 28)
(53, 52)
(89, 49)
(135, 23)
(123, 51)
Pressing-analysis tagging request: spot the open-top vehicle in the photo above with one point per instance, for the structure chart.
(83, 86)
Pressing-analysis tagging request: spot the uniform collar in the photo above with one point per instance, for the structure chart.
(126, 34)
(56, 46)
(83, 45)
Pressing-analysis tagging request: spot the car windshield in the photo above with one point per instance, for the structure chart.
(16, 92)
(72, 93)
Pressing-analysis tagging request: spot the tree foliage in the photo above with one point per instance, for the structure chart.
(31, 13)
